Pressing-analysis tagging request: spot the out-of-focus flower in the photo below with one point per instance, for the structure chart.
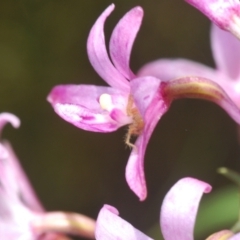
(177, 215)
(224, 13)
(135, 100)
(22, 217)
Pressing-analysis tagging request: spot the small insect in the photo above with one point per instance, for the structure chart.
(136, 127)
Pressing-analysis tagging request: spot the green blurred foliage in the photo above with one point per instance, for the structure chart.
(42, 44)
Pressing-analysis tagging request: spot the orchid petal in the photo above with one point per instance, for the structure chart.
(235, 237)
(225, 14)
(179, 208)
(21, 181)
(167, 69)
(122, 40)
(15, 216)
(98, 56)
(110, 226)
(226, 52)
(198, 87)
(79, 105)
(9, 117)
(148, 99)
(12, 177)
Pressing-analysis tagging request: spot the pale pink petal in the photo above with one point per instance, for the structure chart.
(235, 237)
(224, 13)
(110, 226)
(122, 40)
(24, 189)
(79, 105)
(146, 92)
(98, 56)
(226, 52)
(15, 216)
(9, 118)
(179, 208)
(168, 69)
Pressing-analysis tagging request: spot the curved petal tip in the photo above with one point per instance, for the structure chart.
(179, 208)
(9, 118)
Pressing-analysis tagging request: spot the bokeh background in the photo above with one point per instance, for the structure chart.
(42, 44)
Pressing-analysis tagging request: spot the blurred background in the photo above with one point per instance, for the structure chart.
(42, 44)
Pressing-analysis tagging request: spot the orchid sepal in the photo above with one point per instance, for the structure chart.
(225, 14)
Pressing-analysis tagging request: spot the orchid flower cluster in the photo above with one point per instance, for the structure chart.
(138, 100)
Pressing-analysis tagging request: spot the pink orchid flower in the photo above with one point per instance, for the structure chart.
(177, 216)
(224, 13)
(226, 53)
(22, 216)
(136, 100)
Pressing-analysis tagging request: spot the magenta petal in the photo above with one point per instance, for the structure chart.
(146, 92)
(110, 226)
(226, 52)
(98, 56)
(79, 105)
(179, 208)
(122, 39)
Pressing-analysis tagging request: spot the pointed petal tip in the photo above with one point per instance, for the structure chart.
(50, 96)
(98, 55)
(110, 8)
(137, 184)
